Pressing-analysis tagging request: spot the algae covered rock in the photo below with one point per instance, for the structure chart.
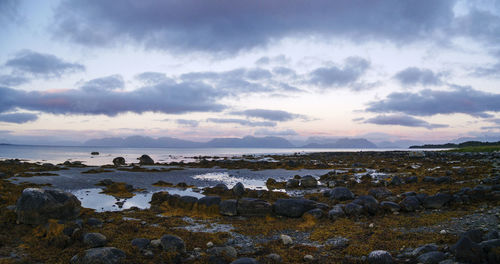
(228, 207)
(340, 194)
(253, 207)
(36, 206)
(103, 255)
(293, 207)
(119, 161)
(172, 243)
(308, 182)
(245, 261)
(380, 257)
(146, 160)
(94, 240)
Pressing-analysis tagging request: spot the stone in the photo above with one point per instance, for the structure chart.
(245, 261)
(94, 222)
(103, 255)
(35, 206)
(308, 258)
(467, 251)
(209, 201)
(369, 203)
(429, 179)
(436, 201)
(308, 182)
(353, 209)
(340, 194)
(140, 243)
(119, 161)
(476, 235)
(94, 153)
(380, 193)
(274, 258)
(210, 244)
(146, 160)
(396, 180)
(337, 242)
(253, 207)
(187, 202)
(220, 188)
(225, 252)
(433, 257)
(424, 249)
(172, 243)
(293, 207)
(94, 240)
(156, 243)
(411, 179)
(292, 183)
(315, 213)
(286, 240)
(228, 207)
(442, 179)
(336, 212)
(379, 257)
(390, 206)
(238, 189)
(410, 204)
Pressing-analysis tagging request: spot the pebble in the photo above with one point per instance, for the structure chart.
(371, 225)
(287, 240)
(210, 244)
(442, 232)
(308, 258)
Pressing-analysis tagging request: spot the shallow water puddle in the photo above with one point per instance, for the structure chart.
(93, 199)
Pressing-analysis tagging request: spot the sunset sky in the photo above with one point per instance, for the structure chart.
(384, 70)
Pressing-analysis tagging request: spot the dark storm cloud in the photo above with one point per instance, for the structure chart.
(230, 26)
(427, 102)
(402, 120)
(347, 75)
(242, 122)
(272, 115)
(112, 82)
(41, 65)
(18, 118)
(414, 76)
(169, 98)
(13, 80)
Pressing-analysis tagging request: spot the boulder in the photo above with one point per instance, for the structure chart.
(293, 207)
(103, 255)
(315, 213)
(274, 258)
(228, 207)
(476, 235)
(172, 243)
(436, 201)
(337, 242)
(245, 261)
(36, 206)
(119, 161)
(396, 180)
(410, 204)
(424, 249)
(94, 240)
(340, 194)
(209, 201)
(379, 257)
(187, 202)
(292, 183)
(411, 179)
(308, 182)
(253, 207)
(467, 251)
(369, 203)
(353, 209)
(336, 212)
(224, 252)
(141, 243)
(239, 189)
(380, 193)
(433, 257)
(146, 160)
(390, 206)
(442, 179)
(94, 153)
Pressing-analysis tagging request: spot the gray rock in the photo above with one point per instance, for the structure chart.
(410, 204)
(424, 249)
(353, 209)
(245, 261)
(436, 201)
(228, 207)
(36, 206)
(390, 206)
(316, 213)
(94, 240)
(467, 251)
(221, 187)
(396, 181)
(94, 222)
(172, 243)
(340, 194)
(141, 243)
(293, 207)
(209, 201)
(442, 179)
(476, 235)
(103, 255)
(274, 258)
(119, 161)
(146, 160)
(338, 242)
(380, 257)
(226, 252)
(308, 182)
(187, 202)
(336, 212)
(411, 179)
(292, 183)
(239, 189)
(369, 203)
(380, 193)
(253, 207)
(433, 257)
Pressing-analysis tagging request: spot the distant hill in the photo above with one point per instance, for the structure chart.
(344, 143)
(454, 145)
(249, 142)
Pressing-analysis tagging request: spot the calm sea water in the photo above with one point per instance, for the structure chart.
(106, 154)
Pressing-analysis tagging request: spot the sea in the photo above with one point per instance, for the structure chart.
(59, 154)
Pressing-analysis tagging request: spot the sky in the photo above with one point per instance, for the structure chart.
(420, 70)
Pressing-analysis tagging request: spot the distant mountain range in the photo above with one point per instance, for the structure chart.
(461, 145)
(245, 142)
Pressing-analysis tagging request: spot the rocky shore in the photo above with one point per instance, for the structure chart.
(368, 207)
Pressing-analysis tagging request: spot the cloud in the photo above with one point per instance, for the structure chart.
(170, 98)
(488, 71)
(402, 120)
(460, 100)
(272, 115)
(280, 59)
(414, 76)
(41, 65)
(284, 71)
(277, 133)
(9, 11)
(228, 27)
(18, 118)
(109, 83)
(187, 122)
(242, 122)
(151, 78)
(331, 77)
(13, 80)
